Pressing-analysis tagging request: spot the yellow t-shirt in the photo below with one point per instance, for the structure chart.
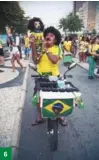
(45, 65)
(26, 42)
(38, 36)
(93, 48)
(67, 45)
(83, 46)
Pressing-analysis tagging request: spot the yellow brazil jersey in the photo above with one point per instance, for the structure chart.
(86, 44)
(67, 45)
(93, 48)
(45, 65)
(26, 42)
(38, 36)
(83, 46)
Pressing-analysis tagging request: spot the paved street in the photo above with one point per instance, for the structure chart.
(78, 141)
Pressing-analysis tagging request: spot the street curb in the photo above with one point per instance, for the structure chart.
(18, 119)
(82, 66)
(86, 68)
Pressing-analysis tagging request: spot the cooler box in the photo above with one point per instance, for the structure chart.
(56, 104)
(67, 59)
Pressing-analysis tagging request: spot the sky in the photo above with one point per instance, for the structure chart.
(49, 11)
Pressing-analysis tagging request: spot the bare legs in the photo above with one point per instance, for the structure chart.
(1, 60)
(13, 63)
(17, 58)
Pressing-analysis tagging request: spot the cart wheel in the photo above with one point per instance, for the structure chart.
(53, 133)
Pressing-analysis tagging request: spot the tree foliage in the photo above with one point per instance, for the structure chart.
(22, 27)
(94, 32)
(63, 24)
(11, 14)
(71, 22)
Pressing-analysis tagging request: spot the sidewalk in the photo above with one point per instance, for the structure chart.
(11, 103)
(8, 75)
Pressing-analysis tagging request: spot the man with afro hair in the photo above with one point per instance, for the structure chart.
(47, 61)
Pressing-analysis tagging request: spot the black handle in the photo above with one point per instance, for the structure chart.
(35, 76)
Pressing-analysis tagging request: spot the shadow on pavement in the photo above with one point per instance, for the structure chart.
(18, 81)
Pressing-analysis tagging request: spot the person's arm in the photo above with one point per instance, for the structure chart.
(72, 47)
(33, 48)
(53, 58)
(64, 49)
(93, 53)
(33, 52)
(36, 58)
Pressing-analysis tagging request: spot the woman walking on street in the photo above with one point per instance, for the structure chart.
(1, 55)
(26, 39)
(83, 46)
(93, 48)
(67, 58)
(15, 57)
(74, 46)
(14, 50)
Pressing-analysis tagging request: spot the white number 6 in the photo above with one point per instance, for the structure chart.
(5, 154)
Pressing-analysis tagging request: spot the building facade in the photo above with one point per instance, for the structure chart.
(89, 13)
(97, 17)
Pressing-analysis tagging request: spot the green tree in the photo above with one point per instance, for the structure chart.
(63, 24)
(72, 22)
(10, 14)
(22, 27)
(94, 32)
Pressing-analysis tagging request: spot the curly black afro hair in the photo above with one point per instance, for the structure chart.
(55, 32)
(31, 26)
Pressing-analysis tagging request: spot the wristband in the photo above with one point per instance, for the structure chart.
(47, 52)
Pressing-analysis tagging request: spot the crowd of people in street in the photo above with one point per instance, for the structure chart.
(85, 48)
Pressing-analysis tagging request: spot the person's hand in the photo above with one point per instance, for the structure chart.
(38, 56)
(32, 40)
(14, 44)
(45, 50)
(42, 40)
(97, 55)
